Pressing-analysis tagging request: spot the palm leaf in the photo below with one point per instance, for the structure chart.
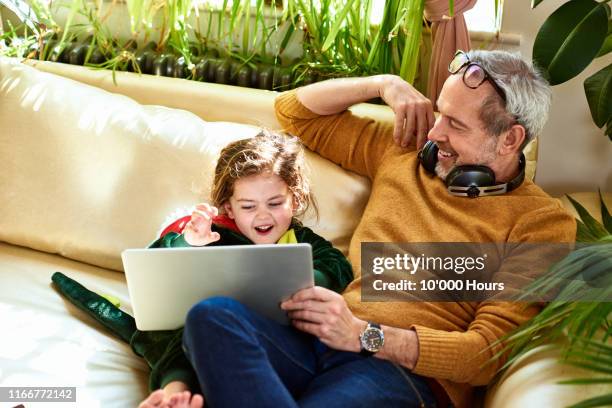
(595, 227)
(586, 381)
(601, 401)
(605, 214)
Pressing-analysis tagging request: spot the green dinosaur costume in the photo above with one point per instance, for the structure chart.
(162, 350)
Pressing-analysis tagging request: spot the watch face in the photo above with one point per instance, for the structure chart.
(372, 339)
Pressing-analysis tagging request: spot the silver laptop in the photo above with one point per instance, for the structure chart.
(165, 283)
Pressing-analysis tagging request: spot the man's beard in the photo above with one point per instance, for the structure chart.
(442, 171)
(486, 155)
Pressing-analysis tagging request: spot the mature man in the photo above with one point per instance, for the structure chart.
(491, 106)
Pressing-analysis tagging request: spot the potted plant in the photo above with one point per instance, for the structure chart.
(581, 329)
(240, 42)
(567, 42)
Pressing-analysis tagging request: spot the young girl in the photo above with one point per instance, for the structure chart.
(258, 191)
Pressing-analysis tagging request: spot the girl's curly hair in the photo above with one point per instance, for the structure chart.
(277, 153)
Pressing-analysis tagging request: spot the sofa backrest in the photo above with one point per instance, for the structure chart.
(214, 102)
(92, 170)
(88, 173)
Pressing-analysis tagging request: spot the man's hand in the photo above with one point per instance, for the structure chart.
(198, 230)
(324, 313)
(413, 111)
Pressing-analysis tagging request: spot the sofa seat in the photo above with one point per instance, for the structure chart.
(46, 341)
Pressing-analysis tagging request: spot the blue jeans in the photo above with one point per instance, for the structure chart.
(245, 360)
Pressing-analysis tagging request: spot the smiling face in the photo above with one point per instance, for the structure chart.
(459, 131)
(262, 207)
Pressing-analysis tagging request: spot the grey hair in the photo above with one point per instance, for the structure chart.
(528, 94)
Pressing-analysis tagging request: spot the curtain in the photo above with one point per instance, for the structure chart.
(449, 35)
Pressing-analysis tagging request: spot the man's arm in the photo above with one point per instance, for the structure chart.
(337, 95)
(325, 314)
(452, 355)
(413, 111)
(318, 115)
(401, 347)
(458, 356)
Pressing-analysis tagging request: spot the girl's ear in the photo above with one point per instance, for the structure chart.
(228, 209)
(296, 204)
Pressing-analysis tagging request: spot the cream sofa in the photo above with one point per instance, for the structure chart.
(87, 173)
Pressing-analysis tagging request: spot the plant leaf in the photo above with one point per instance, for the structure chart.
(598, 90)
(23, 11)
(583, 233)
(600, 401)
(413, 29)
(605, 214)
(606, 47)
(339, 20)
(570, 38)
(535, 3)
(594, 226)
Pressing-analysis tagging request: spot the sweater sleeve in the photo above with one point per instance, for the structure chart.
(170, 240)
(354, 143)
(467, 357)
(331, 269)
(173, 365)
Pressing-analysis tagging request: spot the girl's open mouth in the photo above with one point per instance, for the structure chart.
(263, 229)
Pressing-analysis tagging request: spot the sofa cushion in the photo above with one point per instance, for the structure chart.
(88, 173)
(48, 342)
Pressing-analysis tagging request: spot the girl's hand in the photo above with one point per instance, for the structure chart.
(175, 394)
(198, 230)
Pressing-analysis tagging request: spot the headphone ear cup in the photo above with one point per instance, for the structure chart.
(429, 156)
(469, 175)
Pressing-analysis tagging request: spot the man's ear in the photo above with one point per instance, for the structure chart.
(228, 210)
(512, 140)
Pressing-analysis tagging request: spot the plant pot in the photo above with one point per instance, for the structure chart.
(76, 56)
(266, 77)
(160, 64)
(145, 60)
(244, 76)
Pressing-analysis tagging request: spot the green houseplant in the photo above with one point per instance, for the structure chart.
(338, 38)
(570, 38)
(568, 41)
(580, 328)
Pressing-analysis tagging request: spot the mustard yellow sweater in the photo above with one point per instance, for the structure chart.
(409, 205)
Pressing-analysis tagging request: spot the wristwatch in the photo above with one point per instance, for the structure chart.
(372, 339)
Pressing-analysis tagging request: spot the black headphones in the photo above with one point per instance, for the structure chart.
(470, 180)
